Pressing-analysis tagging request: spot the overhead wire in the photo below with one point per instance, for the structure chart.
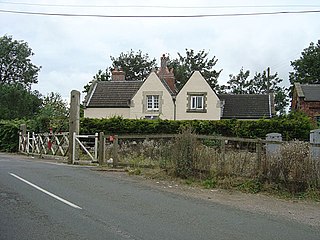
(160, 16)
(158, 6)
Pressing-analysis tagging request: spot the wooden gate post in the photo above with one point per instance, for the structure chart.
(74, 121)
(101, 148)
(115, 151)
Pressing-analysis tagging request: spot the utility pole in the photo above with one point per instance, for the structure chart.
(74, 121)
(268, 80)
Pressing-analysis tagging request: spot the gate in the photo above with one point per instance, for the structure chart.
(85, 144)
(85, 147)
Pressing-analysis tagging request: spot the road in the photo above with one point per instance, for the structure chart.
(42, 200)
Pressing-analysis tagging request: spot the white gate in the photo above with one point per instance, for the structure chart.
(88, 144)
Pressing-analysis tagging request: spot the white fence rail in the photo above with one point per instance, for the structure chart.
(57, 144)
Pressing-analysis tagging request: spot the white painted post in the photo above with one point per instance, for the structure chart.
(73, 147)
(96, 138)
(28, 142)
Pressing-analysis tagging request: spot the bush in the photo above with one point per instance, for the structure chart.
(292, 126)
(184, 153)
(9, 135)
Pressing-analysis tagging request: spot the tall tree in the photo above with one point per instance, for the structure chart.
(17, 102)
(183, 67)
(306, 69)
(15, 63)
(238, 84)
(136, 65)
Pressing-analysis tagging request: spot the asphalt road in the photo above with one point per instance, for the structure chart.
(40, 200)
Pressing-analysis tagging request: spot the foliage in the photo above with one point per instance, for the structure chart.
(184, 148)
(184, 66)
(261, 83)
(100, 76)
(9, 137)
(52, 115)
(291, 126)
(15, 63)
(18, 102)
(306, 69)
(238, 84)
(136, 65)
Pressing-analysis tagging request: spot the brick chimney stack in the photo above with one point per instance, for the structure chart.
(118, 75)
(165, 74)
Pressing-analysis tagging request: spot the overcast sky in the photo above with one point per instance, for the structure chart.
(72, 49)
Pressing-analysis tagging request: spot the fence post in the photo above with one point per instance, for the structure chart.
(315, 141)
(73, 155)
(28, 142)
(96, 140)
(259, 153)
(115, 151)
(223, 155)
(101, 148)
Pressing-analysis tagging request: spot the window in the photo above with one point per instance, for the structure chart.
(153, 102)
(196, 102)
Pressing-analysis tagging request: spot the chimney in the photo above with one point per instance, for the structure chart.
(165, 74)
(118, 75)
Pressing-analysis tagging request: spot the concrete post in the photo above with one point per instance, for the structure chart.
(101, 148)
(315, 144)
(74, 121)
(115, 151)
(273, 148)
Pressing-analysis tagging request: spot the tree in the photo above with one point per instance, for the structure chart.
(237, 84)
(53, 114)
(15, 63)
(184, 66)
(16, 102)
(136, 65)
(306, 69)
(100, 76)
(261, 83)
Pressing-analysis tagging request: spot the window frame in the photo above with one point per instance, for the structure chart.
(196, 102)
(154, 104)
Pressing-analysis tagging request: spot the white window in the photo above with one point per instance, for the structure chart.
(197, 102)
(153, 102)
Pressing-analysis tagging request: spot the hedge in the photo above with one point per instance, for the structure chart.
(292, 126)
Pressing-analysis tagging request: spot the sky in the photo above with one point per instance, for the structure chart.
(71, 49)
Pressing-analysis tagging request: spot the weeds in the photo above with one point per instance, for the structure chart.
(291, 172)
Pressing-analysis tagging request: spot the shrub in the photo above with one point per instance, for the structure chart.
(9, 135)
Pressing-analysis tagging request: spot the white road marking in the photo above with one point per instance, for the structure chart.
(46, 192)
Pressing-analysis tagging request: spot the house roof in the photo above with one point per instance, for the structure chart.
(246, 106)
(112, 93)
(310, 92)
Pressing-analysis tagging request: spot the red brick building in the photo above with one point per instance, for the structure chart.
(306, 98)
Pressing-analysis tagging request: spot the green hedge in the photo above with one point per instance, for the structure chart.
(292, 126)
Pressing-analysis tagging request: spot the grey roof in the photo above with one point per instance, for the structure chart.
(246, 106)
(310, 92)
(113, 93)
